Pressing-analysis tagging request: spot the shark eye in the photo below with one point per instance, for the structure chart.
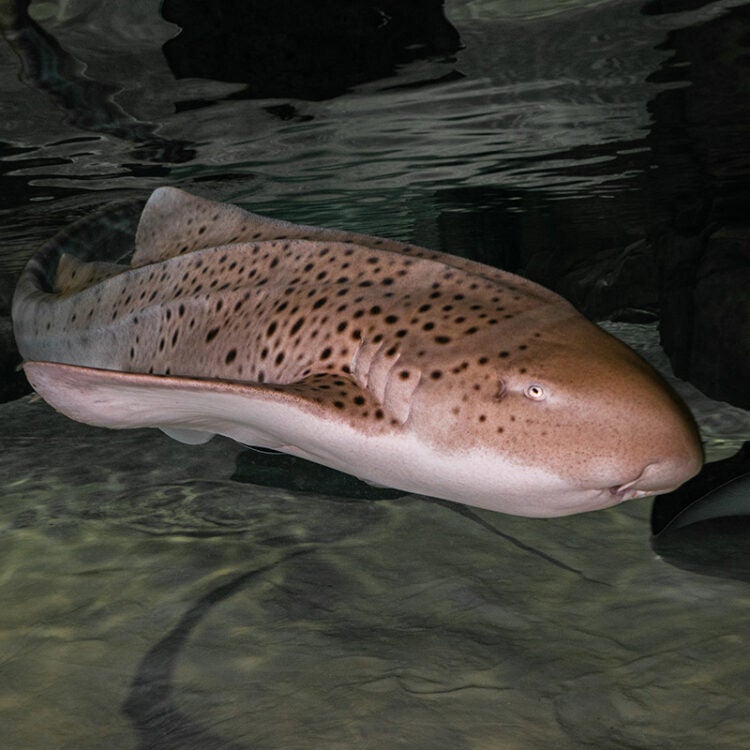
(535, 392)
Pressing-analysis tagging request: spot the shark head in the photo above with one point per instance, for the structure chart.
(573, 418)
(406, 367)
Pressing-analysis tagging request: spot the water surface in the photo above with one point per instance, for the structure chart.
(150, 600)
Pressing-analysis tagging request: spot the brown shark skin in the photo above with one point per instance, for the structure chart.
(390, 341)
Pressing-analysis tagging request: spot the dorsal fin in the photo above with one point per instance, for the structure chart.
(174, 222)
(73, 274)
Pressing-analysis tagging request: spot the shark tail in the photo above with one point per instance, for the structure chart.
(106, 235)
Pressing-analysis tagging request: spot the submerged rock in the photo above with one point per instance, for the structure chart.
(703, 526)
(13, 384)
(699, 186)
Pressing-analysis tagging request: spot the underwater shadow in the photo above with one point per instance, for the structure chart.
(704, 526)
(302, 50)
(150, 706)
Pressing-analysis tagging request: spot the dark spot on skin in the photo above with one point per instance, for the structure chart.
(325, 353)
(391, 319)
(375, 310)
(359, 400)
(279, 358)
(522, 347)
(338, 404)
(231, 356)
(297, 325)
(271, 329)
(319, 303)
(401, 333)
(428, 326)
(404, 374)
(483, 360)
(211, 335)
(503, 355)
(442, 339)
(379, 414)
(436, 374)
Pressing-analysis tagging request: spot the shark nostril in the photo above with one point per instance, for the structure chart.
(628, 490)
(623, 491)
(656, 478)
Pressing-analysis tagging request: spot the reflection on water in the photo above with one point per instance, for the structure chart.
(554, 105)
(153, 601)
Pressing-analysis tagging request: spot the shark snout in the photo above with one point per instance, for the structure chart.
(662, 475)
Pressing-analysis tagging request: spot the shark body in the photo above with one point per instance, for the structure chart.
(403, 366)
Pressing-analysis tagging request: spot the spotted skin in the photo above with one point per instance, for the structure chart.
(372, 338)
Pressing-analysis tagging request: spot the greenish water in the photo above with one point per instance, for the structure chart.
(151, 601)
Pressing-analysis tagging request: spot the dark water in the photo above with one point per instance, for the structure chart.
(451, 149)
(150, 599)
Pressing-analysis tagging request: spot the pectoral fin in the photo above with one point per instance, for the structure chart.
(192, 410)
